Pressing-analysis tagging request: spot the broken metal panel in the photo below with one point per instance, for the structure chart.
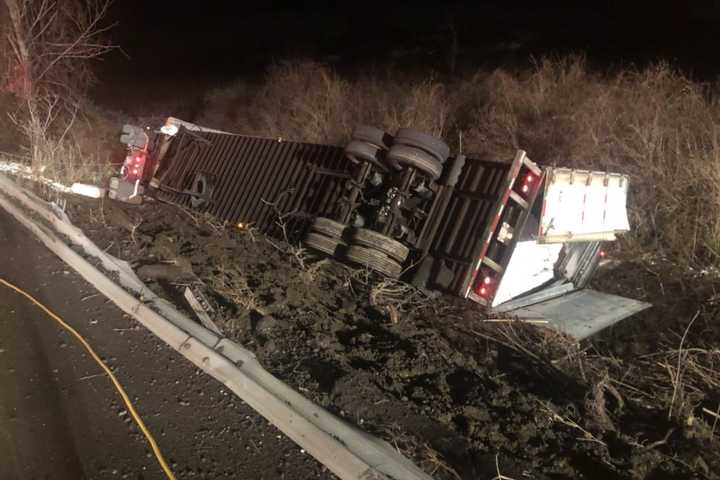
(556, 289)
(202, 309)
(579, 261)
(583, 313)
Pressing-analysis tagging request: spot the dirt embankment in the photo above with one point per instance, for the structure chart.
(465, 397)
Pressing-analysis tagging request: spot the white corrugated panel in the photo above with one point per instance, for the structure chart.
(580, 205)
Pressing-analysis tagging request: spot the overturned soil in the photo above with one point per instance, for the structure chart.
(463, 396)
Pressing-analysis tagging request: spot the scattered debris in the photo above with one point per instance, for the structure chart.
(202, 309)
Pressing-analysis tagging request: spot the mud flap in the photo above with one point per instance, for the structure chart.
(582, 313)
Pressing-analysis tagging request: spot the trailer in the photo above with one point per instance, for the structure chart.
(514, 237)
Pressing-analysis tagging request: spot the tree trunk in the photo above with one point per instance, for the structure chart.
(22, 52)
(24, 70)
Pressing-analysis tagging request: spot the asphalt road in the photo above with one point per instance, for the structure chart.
(61, 418)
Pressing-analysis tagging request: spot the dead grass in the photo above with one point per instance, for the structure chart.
(655, 125)
(233, 285)
(396, 298)
(85, 150)
(681, 378)
(307, 101)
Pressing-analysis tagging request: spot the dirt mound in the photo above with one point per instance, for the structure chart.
(465, 397)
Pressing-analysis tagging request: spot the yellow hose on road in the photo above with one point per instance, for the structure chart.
(116, 383)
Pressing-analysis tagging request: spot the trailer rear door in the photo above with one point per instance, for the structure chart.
(581, 313)
(580, 205)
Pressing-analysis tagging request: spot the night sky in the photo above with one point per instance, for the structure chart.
(209, 42)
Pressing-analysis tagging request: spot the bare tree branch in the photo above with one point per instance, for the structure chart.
(52, 42)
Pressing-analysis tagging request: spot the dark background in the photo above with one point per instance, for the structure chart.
(199, 44)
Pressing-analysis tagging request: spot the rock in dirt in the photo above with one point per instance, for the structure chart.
(119, 217)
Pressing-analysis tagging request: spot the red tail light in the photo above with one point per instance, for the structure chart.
(134, 166)
(527, 182)
(485, 284)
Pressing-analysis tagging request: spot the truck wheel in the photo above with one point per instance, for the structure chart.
(328, 227)
(374, 260)
(201, 190)
(428, 143)
(377, 241)
(416, 158)
(323, 243)
(374, 136)
(358, 151)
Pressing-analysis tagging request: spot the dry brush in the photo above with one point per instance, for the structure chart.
(655, 124)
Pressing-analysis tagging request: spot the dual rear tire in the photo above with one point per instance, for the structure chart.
(374, 260)
(409, 148)
(326, 236)
(364, 247)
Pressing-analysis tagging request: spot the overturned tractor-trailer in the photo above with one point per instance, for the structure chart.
(511, 236)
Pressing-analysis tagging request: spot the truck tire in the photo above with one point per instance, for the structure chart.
(416, 158)
(455, 170)
(377, 241)
(360, 151)
(328, 227)
(429, 143)
(201, 190)
(323, 243)
(374, 260)
(373, 136)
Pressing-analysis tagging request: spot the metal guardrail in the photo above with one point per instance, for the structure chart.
(348, 452)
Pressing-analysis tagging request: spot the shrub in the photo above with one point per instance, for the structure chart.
(86, 149)
(307, 101)
(655, 125)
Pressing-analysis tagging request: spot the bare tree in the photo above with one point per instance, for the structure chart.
(51, 43)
